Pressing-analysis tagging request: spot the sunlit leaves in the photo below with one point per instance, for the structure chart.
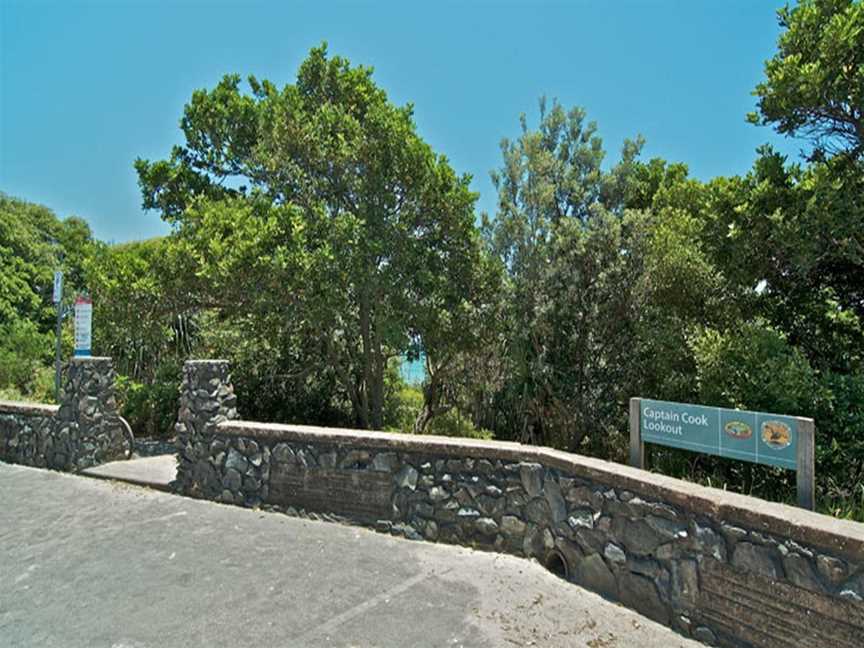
(814, 86)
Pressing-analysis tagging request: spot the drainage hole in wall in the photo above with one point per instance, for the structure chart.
(556, 564)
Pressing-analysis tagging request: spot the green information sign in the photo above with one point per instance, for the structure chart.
(749, 436)
(759, 437)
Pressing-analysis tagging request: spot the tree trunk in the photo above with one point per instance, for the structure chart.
(423, 419)
(433, 393)
(377, 387)
(373, 363)
(365, 336)
(355, 392)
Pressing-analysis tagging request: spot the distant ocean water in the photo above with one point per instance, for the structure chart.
(413, 371)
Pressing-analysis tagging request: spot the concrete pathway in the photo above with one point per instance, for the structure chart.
(85, 562)
(155, 472)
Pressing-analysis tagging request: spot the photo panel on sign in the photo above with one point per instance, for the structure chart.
(777, 440)
(738, 434)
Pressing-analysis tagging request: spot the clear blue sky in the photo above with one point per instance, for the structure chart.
(86, 87)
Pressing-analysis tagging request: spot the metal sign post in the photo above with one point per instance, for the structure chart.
(757, 437)
(806, 474)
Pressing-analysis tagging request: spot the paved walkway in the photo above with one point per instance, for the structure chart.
(155, 472)
(86, 562)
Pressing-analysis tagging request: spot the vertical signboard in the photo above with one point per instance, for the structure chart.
(83, 325)
(757, 437)
(58, 287)
(58, 302)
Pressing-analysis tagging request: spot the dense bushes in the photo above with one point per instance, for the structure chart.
(151, 407)
(405, 404)
(33, 244)
(23, 351)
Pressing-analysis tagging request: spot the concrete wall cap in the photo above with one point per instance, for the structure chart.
(30, 409)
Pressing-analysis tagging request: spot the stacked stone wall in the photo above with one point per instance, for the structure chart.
(206, 399)
(722, 568)
(84, 430)
(27, 436)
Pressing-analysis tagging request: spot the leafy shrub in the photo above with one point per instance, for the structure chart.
(840, 444)
(151, 408)
(23, 353)
(455, 424)
(754, 367)
(404, 405)
(42, 385)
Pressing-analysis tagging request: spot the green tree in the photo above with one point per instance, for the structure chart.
(28, 256)
(145, 304)
(589, 303)
(791, 239)
(453, 319)
(33, 244)
(681, 289)
(802, 229)
(814, 86)
(572, 258)
(346, 213)
(753, 367)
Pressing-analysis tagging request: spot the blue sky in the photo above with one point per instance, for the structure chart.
(86, 87)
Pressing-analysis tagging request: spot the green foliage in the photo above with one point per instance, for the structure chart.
(573, 255)
(791, 242)
(27, 259)
(146, 319)
(814, 84)
(151, 408)
(840, 439)
(454, 423)
(144, 305)
(845, 503)
(39, 390)
(680, 290)
(23, 350)
(340, 226)
(277, 379)
(33, 244)
(752, 366)
(405, 406)
(587, 308)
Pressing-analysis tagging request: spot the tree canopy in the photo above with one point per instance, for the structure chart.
(318, 207)
(814, 84)
(34, 243)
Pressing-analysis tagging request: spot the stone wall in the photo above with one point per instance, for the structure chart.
(206, 399)
(27, 436)
(720, 567)
(85, 430)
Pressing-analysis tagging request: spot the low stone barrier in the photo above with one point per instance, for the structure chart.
(84, 430)
(720, 567)
(27, 436)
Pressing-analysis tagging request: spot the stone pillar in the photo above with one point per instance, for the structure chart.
(88, 429)
(206, 399)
